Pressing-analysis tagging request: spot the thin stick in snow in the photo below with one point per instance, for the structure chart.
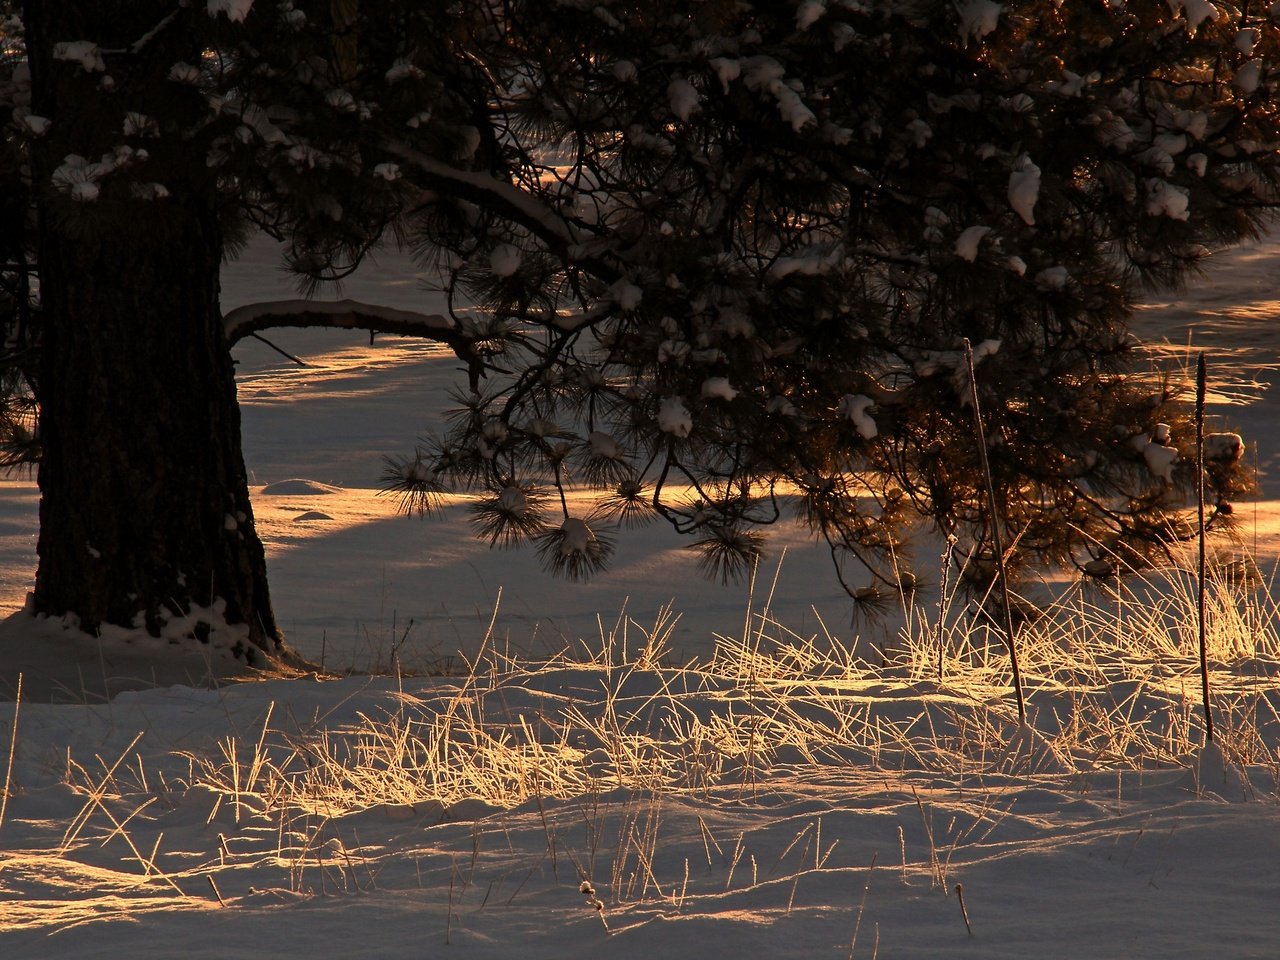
(940, 632)
(1201, 379)
(996, 539)
(866, 888)
(216, 893)
(963, 910)
(13, 749)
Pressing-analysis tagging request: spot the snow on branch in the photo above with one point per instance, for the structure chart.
(345, 315)
(516, 203)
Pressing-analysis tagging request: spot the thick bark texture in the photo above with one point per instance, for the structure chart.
(144, 511)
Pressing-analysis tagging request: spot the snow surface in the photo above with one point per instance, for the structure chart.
(775, 802)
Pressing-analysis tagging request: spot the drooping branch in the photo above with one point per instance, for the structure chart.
(353, 315)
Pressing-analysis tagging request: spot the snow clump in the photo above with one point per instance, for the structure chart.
(1196, 12)
(1248, 77)
(726, 70)
(987, 348)
(83, 52)
(1168, 199)
(626, 295)
(1053, 278)
(809, 12)
(978, 18)
(792, 108)
(934, 221)
(604, 446)
(718, 388)
(505, 260)
(674, 417)
(140, 125)
(341, 100)
(1160, 460)
(1024, 190)
(967, 242)
(854, 408)
(236, 10)
(78, 178)
(683, 97)
(1223, 447)
(402, 69)
(184, 73)
(513, 501)
(575, 537)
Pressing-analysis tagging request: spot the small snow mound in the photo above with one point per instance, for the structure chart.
(1212, 774)
(311, 515)
(466, 811)
(298, 488)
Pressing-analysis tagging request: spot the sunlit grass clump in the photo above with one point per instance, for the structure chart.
(1111, 672)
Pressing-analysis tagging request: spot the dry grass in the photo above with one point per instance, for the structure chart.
(611, 747)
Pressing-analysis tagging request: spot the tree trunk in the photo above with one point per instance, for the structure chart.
(144, 510)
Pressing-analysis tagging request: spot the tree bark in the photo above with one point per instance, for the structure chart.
(144, 512)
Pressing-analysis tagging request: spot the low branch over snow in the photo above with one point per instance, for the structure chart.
(348, 315)
(337, 314)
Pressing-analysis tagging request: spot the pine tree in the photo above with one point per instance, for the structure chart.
(725, 258)
(776, 224)
(141, 141)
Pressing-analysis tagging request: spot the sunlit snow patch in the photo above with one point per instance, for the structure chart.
(298, 488)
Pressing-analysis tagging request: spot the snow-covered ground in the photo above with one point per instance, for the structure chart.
(779, 799)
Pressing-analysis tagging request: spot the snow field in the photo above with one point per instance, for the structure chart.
(785, 793)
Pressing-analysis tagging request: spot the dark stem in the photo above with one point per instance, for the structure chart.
(996, 539)
(284, 353)
(1202, 565)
